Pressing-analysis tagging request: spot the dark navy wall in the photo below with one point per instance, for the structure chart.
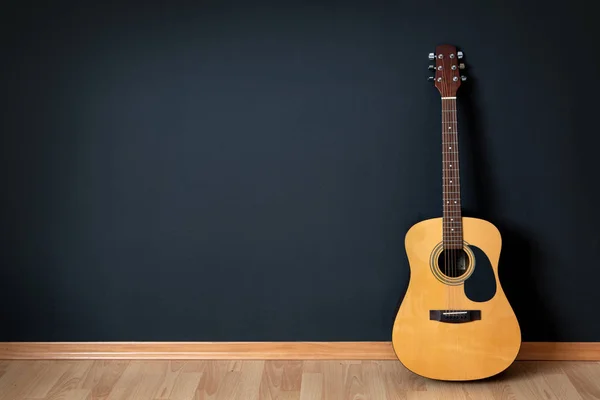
(248, 171)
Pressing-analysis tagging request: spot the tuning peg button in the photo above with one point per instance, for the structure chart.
(463, 78)
(461, 65)
(431, 67)
(431, 56)
(459, 54)
(431, 79)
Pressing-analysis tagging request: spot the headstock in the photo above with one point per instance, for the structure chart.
(447, 66)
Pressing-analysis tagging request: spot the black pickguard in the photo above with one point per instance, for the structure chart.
(481, 285)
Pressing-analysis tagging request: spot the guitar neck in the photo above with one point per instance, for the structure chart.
(447, 80)
(452, 216)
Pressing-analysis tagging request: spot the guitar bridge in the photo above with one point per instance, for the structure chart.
(454, 316)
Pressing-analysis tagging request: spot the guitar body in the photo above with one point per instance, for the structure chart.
(448, 350)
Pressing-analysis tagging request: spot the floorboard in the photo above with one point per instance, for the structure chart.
(283, 380)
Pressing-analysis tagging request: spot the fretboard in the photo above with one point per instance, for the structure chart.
(452, 216)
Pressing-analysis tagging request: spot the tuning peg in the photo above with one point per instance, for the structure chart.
(463, 78)
(431, 79)
(461, 65)
(459, 54)
(431, 67)
(431, 56)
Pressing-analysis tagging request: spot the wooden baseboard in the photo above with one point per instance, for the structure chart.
(560, 351)
(589, 351)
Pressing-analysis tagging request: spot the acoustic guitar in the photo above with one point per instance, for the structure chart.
(439, 331)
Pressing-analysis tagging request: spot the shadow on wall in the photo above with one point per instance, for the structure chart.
(519, 256)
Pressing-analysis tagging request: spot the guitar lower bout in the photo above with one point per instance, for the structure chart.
(439, 332)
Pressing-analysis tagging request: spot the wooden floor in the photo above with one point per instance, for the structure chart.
(283, 380)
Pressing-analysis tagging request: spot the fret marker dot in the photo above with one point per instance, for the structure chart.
(450, 165)
(449, 127)
(450, 148)
(455, 202)
(451, 219)
(452, 228)
(450, 181)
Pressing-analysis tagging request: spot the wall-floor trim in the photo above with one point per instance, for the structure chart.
(581, 351)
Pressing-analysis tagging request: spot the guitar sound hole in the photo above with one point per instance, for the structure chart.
(453, 262)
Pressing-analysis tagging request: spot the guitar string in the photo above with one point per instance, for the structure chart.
(449, 251)
(447, 205)
(450, 132)
(449, 202)
(454, 140)
(456, 181)
(445, 247)
(452, 167)
(444, 190)
(454, 137)
(444, 199)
